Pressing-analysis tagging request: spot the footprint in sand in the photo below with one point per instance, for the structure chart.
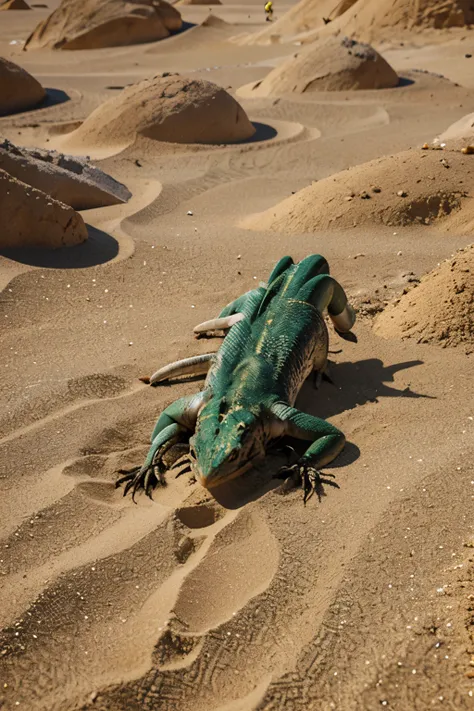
(240, 563)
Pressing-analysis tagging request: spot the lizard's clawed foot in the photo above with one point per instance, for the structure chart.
(302, 473)
(146, 478)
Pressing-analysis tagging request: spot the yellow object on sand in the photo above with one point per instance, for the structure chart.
(269, 6)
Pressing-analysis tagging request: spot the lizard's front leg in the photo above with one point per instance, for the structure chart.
(176, 422)
(327, 443)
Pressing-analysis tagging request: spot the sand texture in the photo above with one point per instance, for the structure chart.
(305, 16)
(31, 218)
(332, 64)
(440, 309)
(19, 90)
(412, 187)
(237, 598)
(170, 108)
(68, 179)
(104, 23)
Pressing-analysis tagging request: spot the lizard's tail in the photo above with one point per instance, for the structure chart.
(197, 365)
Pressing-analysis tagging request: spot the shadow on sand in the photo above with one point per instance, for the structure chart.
(355, 384)
(98, 249)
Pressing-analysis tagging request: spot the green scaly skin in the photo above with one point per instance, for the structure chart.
(248, 398)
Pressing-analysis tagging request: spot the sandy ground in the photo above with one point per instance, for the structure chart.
(246, 600)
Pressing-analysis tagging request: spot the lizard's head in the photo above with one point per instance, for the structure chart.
(227, 442)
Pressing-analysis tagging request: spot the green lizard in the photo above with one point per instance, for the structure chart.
(276, 337)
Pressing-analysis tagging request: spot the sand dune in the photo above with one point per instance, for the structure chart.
(331, 64)
(165, 108)
(92, 24)
(440, 308)
(412, 187)
(242, 599)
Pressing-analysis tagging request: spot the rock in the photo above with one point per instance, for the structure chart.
(91, 24)
(332, 64)
(30, 218)
(172, 108)
(19, 90)
(71, 180)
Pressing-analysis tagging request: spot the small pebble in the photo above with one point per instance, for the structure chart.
(402, 193)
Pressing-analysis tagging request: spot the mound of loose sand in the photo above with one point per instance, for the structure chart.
(165, 108)
(91, 24)
(14, 5)
(370, 20)
(459, 135)
(304, 16)
(66, 178)
(440, 309)
(411, 187)
(19, 90)
(30, 218)
(332, 64)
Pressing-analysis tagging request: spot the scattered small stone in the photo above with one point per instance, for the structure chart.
(468, 150)
(364, 195)
(348, 198)
(399, 254)
(444, 162)
(468, 56)
(402, 193)
(425, 147)
(137, 163)
(376, 189)
(189, 212)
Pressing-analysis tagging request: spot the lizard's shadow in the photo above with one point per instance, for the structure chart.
(355, 384)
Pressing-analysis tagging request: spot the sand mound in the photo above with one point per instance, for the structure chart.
(91, 24)
(459, 135)
(30, 218)
(67, 179)
(15, 5)
(303, 17)
(440, 309)
(165, 108)
(370, 20)
(411, 187)
(332, 64)
(19, 90)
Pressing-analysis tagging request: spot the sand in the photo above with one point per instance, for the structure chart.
(31, 218)
(19, 90)
(331, 64)
(73, 181)
(167, 108)
(412, 187)
(440, 309)
(240, 599)
(104, 23)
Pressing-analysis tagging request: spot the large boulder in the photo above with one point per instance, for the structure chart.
(460, 135)
(91, 24)
(166, 108)
(332, 64)
(19, 90)
(71, 180)
(30, 218)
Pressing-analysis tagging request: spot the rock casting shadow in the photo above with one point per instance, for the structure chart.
(98, 249)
